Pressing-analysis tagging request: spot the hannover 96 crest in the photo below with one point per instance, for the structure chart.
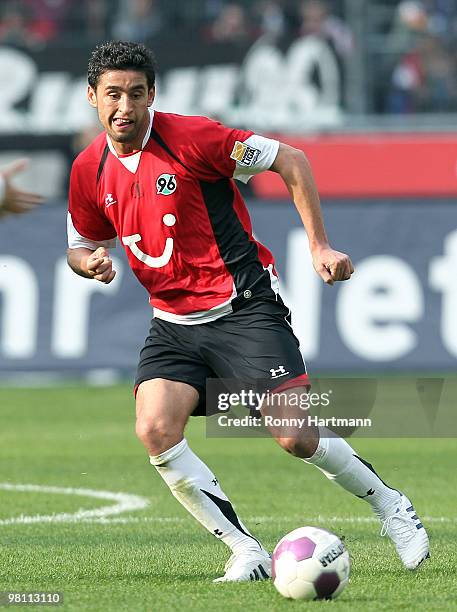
(166, 184)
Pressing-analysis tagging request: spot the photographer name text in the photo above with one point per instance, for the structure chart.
(293, 422)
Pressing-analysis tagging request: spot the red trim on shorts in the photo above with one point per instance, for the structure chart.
(298, 381)
(135, 390)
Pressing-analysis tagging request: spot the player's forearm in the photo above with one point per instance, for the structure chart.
(293, 167)
(77, 260)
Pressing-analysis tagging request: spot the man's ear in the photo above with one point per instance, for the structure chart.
(92, 96)
(151, 96)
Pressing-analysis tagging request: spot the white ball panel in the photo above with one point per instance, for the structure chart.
(308, 569)
(282, 587)
(286, 567)
(300, 589)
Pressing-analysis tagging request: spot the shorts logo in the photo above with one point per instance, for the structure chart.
(166, 184)
(244, 154)
(280, 371)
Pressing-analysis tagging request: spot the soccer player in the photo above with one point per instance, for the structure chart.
(163, 185)
(13, 200)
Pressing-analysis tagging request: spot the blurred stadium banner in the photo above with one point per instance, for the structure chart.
(195, 77)
(397, 313)
(43, 110)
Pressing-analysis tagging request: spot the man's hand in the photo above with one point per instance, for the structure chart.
(332, 265)
(14, 200)
(100, 266)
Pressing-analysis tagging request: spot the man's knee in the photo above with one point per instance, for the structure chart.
(155, 427)
(162, 410)
(157, 434)
(149, 428)
(303, 447)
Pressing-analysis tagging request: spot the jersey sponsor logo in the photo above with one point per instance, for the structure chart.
(243, 154)
(152, 262)
(166, 184)
(109, 200)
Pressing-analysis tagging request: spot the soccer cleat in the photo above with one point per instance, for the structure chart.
(401, 523)
(245, 566)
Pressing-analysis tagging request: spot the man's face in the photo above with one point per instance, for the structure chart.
(122, 99)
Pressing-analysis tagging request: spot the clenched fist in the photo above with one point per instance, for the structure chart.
(100, 266)
(332, 265)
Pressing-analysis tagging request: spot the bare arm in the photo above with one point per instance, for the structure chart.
(293, 167)
(92, 264)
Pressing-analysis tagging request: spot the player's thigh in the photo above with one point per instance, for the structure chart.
(164, 406)
(170, 383)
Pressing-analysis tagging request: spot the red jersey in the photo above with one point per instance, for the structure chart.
(177, 211)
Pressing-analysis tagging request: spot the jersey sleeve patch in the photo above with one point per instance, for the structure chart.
(244, 154)
(252, 156)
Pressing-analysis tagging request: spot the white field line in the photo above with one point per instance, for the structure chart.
(124, 502)
(127, 520)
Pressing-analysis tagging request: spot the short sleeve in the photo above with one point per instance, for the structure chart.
(77, 241)
(217, 151)
(87, 226)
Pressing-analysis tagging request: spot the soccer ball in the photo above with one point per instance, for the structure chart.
(310, 563)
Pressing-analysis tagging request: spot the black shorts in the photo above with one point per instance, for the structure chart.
(254, 343)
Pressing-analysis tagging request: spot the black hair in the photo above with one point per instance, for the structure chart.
(119, 55)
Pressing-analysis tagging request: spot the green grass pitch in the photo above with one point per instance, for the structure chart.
(158, 558)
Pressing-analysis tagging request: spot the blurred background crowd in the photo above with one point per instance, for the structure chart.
(403, 52)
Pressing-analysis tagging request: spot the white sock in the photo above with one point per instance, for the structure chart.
(339, 462)
(198, 490)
